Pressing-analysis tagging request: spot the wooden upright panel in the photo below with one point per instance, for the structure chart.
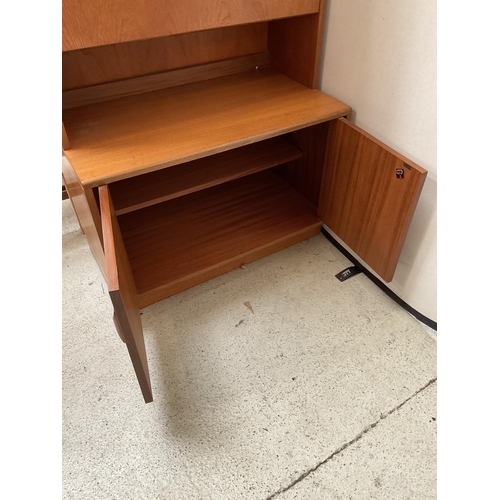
(123, 293)
(86, 67)
(295, 46)
(85, 206)
(368, 196)
(101, 22)
(65, 140)
(305, 173)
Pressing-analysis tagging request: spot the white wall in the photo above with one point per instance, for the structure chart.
(379, 57)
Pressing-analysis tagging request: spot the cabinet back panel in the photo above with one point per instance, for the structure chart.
(86, 67)
(92, 23)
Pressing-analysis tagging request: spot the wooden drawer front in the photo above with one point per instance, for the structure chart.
(92, 23)
(369, 194)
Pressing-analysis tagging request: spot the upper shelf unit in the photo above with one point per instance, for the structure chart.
(100, 22)
(133, 135)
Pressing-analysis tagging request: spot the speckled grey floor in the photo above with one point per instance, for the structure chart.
(327, 390)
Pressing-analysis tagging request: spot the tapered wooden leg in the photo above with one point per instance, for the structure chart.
(130, 330)
(118, 327)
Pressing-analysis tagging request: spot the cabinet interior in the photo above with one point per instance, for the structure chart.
(191, 222)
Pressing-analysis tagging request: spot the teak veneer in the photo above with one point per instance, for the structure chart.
(195, 141)
(169, 183)
(101, 22)
(221, 228)
(126, 137)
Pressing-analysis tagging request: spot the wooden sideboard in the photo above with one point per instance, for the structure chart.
(196, 141)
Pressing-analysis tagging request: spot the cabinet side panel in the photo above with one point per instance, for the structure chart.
(295, 46)
(102, 22)
(85, 207)
(368, 196)
(305, 173)
(86, 67)
(65, 141)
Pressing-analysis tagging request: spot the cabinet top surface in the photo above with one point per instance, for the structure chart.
(129, 136)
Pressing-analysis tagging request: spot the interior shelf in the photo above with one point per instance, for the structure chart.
(185, 241)
(131, 136)
(163, 185)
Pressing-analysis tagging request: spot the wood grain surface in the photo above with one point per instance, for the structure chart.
(295, 46)
(133, 135)
(363, 201)
(169, 183)
(305, 173)
(173, 78)
(87, 67)
(101, 22)
(183, 242)
(123, 294)
(86, 210)
(65, 141)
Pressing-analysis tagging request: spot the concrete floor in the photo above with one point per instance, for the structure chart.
(327, 390)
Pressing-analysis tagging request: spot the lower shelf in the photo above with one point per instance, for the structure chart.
(178, 244)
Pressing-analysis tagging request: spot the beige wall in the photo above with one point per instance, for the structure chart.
(379, 57)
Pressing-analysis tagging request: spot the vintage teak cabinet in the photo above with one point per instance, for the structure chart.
(196, 141)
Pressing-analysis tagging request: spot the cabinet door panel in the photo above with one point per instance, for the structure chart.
(123, 293)
(369, 194)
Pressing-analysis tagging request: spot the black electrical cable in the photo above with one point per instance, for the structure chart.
(424, 319)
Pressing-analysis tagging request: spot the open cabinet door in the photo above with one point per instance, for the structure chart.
(368, 196)
(123, 293)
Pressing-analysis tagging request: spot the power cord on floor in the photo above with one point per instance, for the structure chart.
(424, 319)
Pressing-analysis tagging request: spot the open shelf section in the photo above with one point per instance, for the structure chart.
(134, 135)
(163, 185)
(175, 245)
